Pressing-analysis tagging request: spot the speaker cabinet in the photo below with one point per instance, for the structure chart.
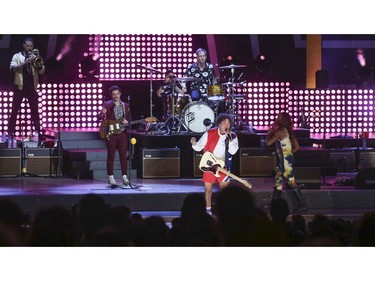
(257, 162)
(307, 177)
(161, 163)
(344, 160)
(10, 162)
(41, 161)
(365, 179)
(368, 159)
(197, 158)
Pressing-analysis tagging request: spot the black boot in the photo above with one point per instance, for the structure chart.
(276, 194)
(302, 207)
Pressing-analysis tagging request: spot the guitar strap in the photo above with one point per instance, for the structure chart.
(124, 108)
(226, 152)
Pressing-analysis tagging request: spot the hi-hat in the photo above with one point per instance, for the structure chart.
(149, 68)
(232, 66)
(188, 79)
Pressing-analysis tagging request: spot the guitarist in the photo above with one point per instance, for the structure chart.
(116, 109)
(222, 143)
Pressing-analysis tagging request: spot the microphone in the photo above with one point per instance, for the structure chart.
(207, 122)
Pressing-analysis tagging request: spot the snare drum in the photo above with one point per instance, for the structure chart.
(194, 115)
(215, 92)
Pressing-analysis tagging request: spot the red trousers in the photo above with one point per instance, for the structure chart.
(120, 142)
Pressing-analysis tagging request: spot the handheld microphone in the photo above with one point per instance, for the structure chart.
(229, 134)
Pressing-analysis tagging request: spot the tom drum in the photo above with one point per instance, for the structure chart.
(215, 92)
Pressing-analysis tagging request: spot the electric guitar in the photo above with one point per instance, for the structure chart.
(113, 127)
(209, 163)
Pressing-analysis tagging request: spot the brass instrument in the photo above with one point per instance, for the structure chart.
(37, 61)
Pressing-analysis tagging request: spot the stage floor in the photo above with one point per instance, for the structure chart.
(165, 196)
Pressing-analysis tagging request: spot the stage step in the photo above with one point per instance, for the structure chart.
(90, 164)
(83, 144)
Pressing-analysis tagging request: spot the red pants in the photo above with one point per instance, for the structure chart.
(210, 177)
(120, 142)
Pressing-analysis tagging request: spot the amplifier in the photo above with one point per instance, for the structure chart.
(42, 161)
(307, 177)
(344, 160)
(368, 159)
(197, 158)
(257, 162)
(161, 163)
(10, 162)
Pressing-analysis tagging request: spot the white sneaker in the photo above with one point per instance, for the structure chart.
(111, 180)
(125, 180)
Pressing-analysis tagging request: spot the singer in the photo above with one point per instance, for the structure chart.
(223, 144)
(281, 135)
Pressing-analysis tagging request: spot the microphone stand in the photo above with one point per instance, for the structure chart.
(151, 91)
(24, 172)
(324, 183)
(130, 155)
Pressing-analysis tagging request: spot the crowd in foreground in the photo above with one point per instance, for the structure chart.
(236, 221)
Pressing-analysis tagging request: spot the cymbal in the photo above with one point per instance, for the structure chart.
(188, 79)
(232, 66)
(149, 68)
(231, 83)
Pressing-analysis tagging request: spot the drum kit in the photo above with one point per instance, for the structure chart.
(184, 115)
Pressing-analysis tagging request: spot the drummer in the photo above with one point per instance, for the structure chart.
(165, 91)
(202, 70)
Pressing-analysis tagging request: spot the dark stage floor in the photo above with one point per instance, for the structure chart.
(165, 196)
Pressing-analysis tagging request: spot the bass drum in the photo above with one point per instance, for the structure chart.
(194, 115)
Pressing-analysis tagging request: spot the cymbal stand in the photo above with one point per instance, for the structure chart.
(151, 91)
(232, 77)
(173, 123)
(231, 108)
(59, 147)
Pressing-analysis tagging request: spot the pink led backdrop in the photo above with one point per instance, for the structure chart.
(335, 110)
(263, 101)
(74, 105)
(119, 56)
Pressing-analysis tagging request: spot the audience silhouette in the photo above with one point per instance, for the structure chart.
(238, 222)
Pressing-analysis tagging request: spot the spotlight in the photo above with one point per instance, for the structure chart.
(228, 59)
(262, 63)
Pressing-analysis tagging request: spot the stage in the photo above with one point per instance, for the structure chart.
(165, 196)
(164, 169)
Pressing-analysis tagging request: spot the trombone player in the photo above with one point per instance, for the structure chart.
(26, 65)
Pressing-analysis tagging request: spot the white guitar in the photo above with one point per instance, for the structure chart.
(209, 163)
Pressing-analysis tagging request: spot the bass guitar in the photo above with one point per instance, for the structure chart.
(113, 127)
(209, 163)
